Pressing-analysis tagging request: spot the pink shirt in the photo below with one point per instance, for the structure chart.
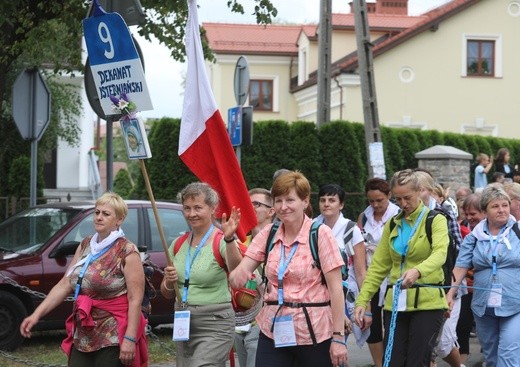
(301, 283)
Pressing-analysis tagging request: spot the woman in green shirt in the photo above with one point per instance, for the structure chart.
(405, 253)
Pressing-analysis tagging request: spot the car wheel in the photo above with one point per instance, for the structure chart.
(12, 313)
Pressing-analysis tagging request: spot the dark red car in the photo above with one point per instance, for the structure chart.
(37, 245)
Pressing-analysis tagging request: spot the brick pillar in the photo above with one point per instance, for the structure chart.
(449, 166)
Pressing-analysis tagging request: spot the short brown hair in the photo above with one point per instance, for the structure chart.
(292, 180)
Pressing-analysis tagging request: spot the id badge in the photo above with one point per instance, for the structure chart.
(284, 335)
(401, 304)
(495, 296)
(181, 326)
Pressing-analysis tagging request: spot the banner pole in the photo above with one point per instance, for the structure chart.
(158, 220)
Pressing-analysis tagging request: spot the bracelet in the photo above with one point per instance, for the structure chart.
(166, 287)
(129, 338)
(229, 241)
(369, 314)
(339, 342)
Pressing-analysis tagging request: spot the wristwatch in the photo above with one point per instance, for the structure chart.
(231, 240)
(340, 333)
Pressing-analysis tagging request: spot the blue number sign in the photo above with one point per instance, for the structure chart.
(114, 61)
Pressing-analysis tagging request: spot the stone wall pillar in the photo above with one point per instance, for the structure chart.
(449, 166)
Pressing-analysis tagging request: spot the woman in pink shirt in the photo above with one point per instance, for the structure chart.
(302, 320)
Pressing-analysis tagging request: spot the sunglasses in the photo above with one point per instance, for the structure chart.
(258, 204)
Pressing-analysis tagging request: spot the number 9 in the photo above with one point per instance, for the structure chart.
(104, 35)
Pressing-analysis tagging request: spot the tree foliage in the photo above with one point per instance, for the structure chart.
(47, 35)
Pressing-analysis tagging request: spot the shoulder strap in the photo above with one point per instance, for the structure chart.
(216, 249)
(313, 243)
(516, 229)
(392, 224)
(429, 221)
(178, 243)
(364, 220)
(269, 246)
(349, 231)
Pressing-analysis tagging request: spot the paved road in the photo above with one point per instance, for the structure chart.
(360, 357)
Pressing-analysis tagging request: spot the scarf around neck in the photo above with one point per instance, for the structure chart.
(481, 232)
(96, 247)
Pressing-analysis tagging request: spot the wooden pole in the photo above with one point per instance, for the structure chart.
(158, 220)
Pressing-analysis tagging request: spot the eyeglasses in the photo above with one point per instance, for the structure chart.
(258, 204)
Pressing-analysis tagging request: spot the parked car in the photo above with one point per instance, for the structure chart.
(37, 245)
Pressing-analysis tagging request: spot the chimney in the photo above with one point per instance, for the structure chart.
(399, 7)
(371, 6)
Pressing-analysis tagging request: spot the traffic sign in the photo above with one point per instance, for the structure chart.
(114, 61)
(31, 104)
(241, 81)
(235, 125)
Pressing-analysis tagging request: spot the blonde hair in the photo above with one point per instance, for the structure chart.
(405, 177)
(115, 201)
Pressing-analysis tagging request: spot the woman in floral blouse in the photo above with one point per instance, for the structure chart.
(106, 275)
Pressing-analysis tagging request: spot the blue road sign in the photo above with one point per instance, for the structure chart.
(114, 61)
(235, 125)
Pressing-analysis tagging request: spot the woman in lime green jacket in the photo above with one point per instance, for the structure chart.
(406, 253)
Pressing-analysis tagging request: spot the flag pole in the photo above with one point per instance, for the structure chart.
(158, 220)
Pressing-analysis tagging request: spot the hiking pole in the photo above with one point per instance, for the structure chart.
(159, 224)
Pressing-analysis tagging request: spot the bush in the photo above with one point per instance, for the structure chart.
(123, 183)
(335, 153)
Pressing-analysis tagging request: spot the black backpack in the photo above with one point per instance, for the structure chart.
(453, 251)
(313, 243)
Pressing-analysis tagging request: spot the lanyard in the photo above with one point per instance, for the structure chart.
(282, 268)
(414, 229)
(189, 262)
(494, 250)
(90, 258)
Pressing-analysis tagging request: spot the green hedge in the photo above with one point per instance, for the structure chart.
(335, 153)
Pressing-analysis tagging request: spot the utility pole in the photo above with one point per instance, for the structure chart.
(374, 145)
(324, 55)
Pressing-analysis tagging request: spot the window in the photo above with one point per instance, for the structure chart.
(481, 58)
(481, 55)
(174, 225)
(261, 95)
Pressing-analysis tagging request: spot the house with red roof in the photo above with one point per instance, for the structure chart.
(454, 68)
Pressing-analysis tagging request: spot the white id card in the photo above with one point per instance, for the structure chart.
(495, 296)
(284, 335)
(181, 326)
(401, 304)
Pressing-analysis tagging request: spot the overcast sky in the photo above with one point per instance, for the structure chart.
(164, 75)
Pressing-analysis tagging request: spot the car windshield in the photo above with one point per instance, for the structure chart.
(27, 231)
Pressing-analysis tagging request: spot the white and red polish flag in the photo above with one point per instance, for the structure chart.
(204, 144)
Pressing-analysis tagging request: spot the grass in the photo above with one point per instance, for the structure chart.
(43, 349)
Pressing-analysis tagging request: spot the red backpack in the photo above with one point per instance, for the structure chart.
(218, 257)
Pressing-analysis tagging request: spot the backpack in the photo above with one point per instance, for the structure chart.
(451, 255)
(218, 257)
(313, 243)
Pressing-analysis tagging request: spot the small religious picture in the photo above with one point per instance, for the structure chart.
(135, 138)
